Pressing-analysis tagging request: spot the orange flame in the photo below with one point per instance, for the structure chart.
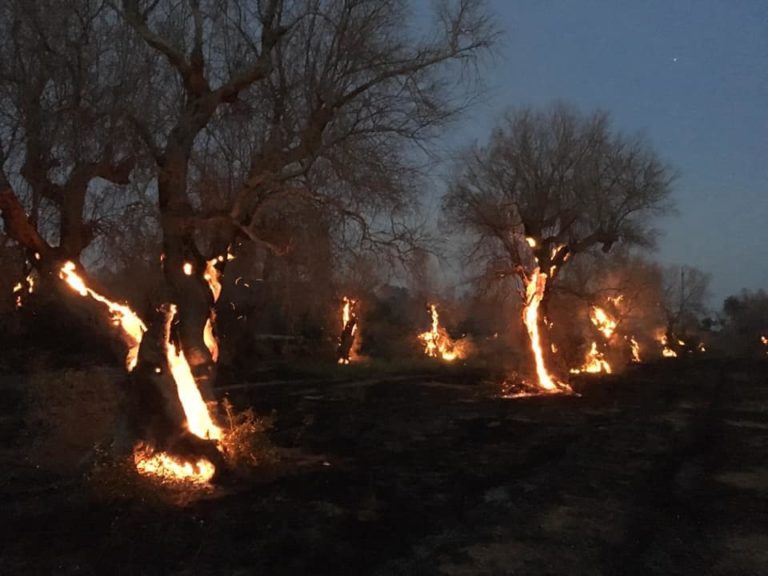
(132, 326)
(167, 467)
(18, 289)
(666, 351)
(635, 347)
(534, 291)
(199, 420)
(437, 342)
(213, 277)
(594, 363)
(602, 321)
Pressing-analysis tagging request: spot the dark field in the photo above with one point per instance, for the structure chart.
(662, 470)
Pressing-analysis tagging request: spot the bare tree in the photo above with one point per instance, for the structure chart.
(745, 323)
(686, 291)
(64, 93)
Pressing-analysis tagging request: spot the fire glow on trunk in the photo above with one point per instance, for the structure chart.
(199, 420)
(132, 326)
(348, 340)
(534, 291)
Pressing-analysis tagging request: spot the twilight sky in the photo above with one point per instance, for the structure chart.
(692, 75)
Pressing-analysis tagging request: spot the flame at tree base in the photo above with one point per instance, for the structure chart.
(168, 468)
(198, 419)
(534, 293)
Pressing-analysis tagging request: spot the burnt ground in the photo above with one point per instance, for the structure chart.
(662, 470)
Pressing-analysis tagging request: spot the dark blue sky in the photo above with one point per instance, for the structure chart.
(691, 75)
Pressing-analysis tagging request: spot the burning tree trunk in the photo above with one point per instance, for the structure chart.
(167, 420)
(345, 351)
(535, 287)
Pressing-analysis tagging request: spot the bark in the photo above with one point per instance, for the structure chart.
(189, 292)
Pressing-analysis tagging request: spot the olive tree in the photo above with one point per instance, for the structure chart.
(552, 184)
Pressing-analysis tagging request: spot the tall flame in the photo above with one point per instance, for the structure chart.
(635, 347)
(132, 326)
(199, 420)
(534, 292)
(437, 342)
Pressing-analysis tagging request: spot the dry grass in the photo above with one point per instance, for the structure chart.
(68, 414)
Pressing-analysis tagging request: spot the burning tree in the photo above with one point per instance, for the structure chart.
(549, 186)
(245, 110)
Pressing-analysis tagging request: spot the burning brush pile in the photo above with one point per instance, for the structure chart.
(174, 433)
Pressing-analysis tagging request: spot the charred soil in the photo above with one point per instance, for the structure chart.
(660, 470)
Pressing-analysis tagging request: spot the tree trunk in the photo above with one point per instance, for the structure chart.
(190, 292)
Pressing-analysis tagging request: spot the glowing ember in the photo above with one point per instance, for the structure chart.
(531, 242)
(166, 467)
(187, 268)
(132, 326)
(437, 342)
(602, 321)
(594, 363)
(199, 420)
(534, 291)
(17, 290)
